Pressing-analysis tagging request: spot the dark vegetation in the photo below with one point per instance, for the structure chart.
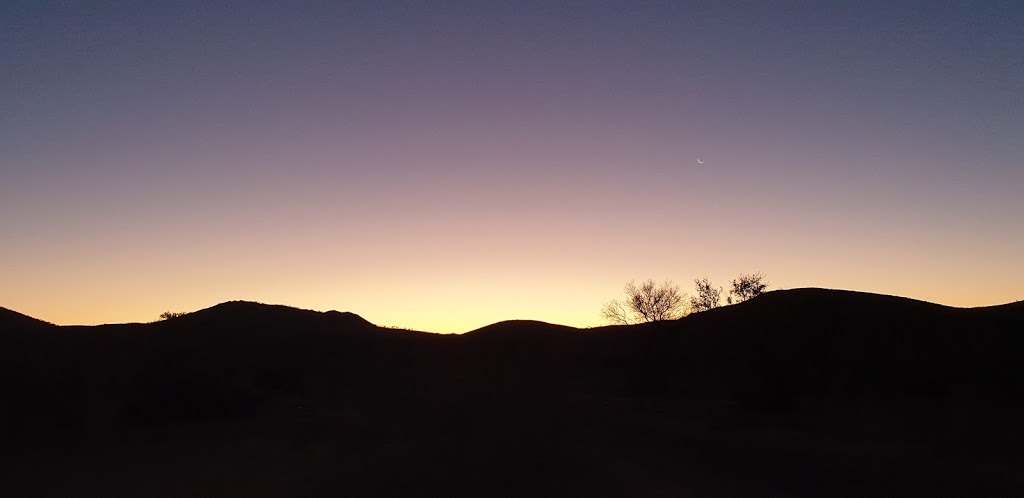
(708, 296)
(167, 315)
(805, 392)
(645, 303)
(651, 302)
(747, 286)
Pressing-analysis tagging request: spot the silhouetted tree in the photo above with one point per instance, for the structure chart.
(167, 315)
(708, 296)
(647, 302)
(747, 287)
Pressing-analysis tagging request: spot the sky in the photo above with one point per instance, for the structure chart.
(445, 165)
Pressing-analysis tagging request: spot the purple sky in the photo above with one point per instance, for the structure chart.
(444, 165)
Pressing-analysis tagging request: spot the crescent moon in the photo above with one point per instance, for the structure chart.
(700, 162)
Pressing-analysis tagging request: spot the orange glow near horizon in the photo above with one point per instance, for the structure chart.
(454, 260)
(446, 168)
(474, 303)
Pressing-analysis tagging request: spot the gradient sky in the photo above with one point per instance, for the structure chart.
(442, 165)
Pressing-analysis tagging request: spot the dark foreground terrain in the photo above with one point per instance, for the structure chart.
(795, 393)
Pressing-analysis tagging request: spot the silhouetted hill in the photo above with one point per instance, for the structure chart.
(250, 314)
(512, 332)
(261, 334)
(524, 339)
(1010, 309)
(10, 320)
(824, 342)
(530, 328)
(804, 392)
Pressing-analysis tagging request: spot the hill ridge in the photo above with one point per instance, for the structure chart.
(13, 319)
(803, 296)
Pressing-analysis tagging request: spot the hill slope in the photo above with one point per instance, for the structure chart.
(10, 320)
(825, 342)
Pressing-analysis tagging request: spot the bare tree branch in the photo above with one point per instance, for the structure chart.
(617, 313)
(708, 296)
(647, 302)
(747, 287)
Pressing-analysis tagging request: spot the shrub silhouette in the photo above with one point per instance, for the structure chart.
(708, 296)
(647, 302)
(747, 287)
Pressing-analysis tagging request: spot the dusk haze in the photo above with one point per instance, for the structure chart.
(441, 166)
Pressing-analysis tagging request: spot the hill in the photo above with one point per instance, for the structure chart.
(252, 314)
(10, 320)
(805, 392)
(828, 343)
